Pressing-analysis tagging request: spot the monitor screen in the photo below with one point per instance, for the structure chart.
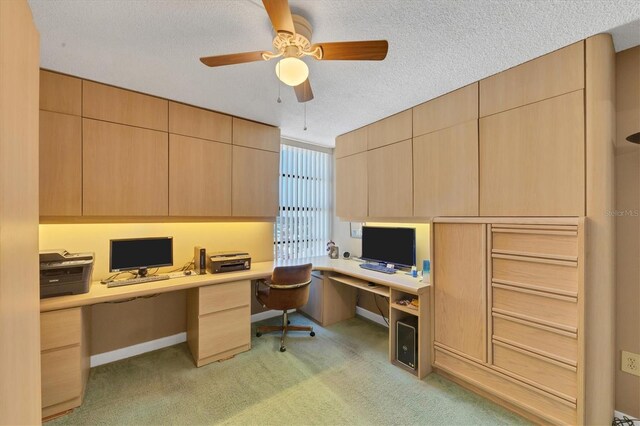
(389, 245)
(139, 253)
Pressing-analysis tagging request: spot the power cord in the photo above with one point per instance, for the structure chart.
(380, 310)
(624, 421)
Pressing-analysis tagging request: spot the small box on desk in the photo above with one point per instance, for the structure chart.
(407, 342)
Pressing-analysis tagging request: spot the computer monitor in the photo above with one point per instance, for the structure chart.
(389, 245)
(140, 254)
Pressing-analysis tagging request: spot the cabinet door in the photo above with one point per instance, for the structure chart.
(445, 172)
(200, 123)
(447, 110)
(60, 93)
(256, 135)
(532, 159)
(351, 143)
(460, 293)
(351, 186)
(389, 130)
(125, 170)
(255, 182)
(60, 164)
(199, 177)
(390, 179)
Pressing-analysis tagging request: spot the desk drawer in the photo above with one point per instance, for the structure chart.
(61, 375)
(558, 344)
(223, 331)
(559, 276)
(536, 242)
(60, 328)
(541, 371)
(552, 310)
(219, 297)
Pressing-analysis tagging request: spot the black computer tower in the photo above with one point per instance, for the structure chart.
(407, 342)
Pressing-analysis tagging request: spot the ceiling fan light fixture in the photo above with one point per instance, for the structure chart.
(292, 71)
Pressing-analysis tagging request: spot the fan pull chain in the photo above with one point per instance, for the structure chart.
(305, 117)
(279, 100)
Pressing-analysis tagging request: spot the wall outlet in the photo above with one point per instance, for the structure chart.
(631, 363)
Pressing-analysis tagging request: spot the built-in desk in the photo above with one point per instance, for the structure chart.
(219, 316)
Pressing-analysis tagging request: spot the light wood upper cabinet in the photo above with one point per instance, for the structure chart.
(122, 106)
(199, 123)
(351, 143)
(390, 180)
(445, 172)
(351, 187)
(125, 170)
(550, 75)
(60, 93)
(255, 135)
(460, 288)
(60, 164)
(389, 130)
(255, 182)
(448, 110)
(532, 159)
(199, 177)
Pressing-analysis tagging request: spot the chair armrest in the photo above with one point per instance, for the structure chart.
(287, 286)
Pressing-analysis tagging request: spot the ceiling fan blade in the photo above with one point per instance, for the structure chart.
(370, 50)
(233, 58)
(303, 91)
(280, 15)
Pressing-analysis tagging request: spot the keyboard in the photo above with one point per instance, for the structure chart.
(139, 280)
(377, 268)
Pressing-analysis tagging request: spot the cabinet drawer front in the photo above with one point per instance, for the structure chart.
(60, 328)
(561, 277)
(526, 397)
(224, 331)
(552, 375)
(544, 340)
(61, 375)
(540, 243)
(220, 297)
(558, 311)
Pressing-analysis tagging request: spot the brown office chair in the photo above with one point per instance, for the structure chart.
(288, 288)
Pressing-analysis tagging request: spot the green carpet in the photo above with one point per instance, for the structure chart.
(340, 377)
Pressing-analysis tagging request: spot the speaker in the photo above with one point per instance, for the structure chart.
(200, 260)
(407, 342)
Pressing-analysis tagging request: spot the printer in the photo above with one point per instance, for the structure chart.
(63, 273)
(228, 261)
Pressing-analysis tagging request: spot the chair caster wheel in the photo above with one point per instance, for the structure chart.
(282, 349)
(313, 333)
(258, 334)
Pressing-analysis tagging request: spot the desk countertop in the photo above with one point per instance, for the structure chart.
(99, 293)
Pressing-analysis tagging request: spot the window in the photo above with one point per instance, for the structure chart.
(302, 226)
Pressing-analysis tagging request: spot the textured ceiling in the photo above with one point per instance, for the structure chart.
(153, 46)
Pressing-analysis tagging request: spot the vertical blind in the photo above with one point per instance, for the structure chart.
(302, 226)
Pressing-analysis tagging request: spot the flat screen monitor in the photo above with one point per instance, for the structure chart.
(389, 245)
(140, 254)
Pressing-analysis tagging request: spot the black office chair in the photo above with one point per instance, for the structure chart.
(288, 288)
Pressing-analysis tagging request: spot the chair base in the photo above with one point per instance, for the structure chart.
(284, 328)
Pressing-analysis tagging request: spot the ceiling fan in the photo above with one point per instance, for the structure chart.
(292, 42)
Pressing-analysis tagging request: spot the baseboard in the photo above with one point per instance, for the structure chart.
(140, 348)
(620, 415)
(377, 318)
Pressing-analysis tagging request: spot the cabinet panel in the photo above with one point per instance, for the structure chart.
(390, 130)
(256, 135)
(351, 143)
(550, 75)
(224, 331)
(219, 297)
(60, 328)
(313, 308)
(459, 280)
(351, 187)
(61, 375)
(390, 180)
(199, 177)
(122, 106)
(60, 93)
(199, 123)
(448, 110)
(445, 172)
(125, 170)
(532, 159)
(60, 164)
(255, 182)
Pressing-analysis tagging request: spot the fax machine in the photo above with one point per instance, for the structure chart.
(63, 273)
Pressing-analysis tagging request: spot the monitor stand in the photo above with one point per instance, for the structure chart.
(142, 272)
